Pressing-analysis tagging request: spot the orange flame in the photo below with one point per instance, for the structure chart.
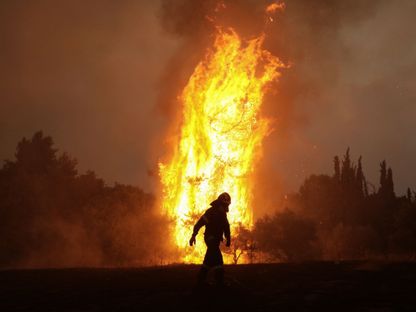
(220, 138)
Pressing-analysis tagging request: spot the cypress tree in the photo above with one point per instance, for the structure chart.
(409, 195)
(365, 188)
(389, 183)
(346, 169)
(359, 178)
(337, 170)
(383, 177)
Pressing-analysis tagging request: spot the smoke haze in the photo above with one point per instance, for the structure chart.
(349, 84)
(102, 77)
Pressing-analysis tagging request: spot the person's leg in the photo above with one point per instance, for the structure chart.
(218, 264)
(202, 274)
(219, 275)
(207, 264)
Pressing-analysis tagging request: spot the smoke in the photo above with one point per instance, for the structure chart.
(305, 35)
(51, 216)
(96, 75)
(84, 72)
(317, 100)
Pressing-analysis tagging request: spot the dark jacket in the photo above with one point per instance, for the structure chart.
(216, 223)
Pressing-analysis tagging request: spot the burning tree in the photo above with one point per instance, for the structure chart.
(220, 136)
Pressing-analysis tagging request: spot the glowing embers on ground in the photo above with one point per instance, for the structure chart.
(220, 136)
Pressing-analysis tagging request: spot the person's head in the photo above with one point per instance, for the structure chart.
(224, 200)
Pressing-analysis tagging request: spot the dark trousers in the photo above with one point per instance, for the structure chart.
(213, 256)
(212, 260)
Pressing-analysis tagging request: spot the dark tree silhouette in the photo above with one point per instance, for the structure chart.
(337, 170)
(287, 236)
(383, 177)
(390, 184)
(350, 222)
(52, 216)
(360, 179)
(409, 195)
(347, 171)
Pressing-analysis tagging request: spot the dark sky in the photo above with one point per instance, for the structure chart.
(90, 74)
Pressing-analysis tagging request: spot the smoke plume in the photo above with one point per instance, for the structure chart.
(317, 104)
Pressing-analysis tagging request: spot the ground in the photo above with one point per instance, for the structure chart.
(318, 286)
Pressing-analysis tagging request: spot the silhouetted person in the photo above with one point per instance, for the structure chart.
(216, 227)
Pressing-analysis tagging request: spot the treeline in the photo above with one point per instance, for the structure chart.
(337, 217)
(50, 215)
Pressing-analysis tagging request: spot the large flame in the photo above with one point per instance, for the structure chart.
(220, 137)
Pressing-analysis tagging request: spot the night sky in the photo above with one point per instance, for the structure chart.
(93, 75)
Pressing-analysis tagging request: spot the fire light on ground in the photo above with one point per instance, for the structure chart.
(220, 137)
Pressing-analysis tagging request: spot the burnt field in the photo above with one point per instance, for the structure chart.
(345, 286)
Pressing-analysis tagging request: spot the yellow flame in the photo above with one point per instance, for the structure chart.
(220, 136)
